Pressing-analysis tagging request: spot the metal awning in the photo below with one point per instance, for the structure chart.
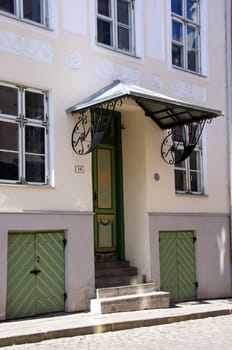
(166, 112)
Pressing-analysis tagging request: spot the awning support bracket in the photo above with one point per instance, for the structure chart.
(91, 127)
(182, 139)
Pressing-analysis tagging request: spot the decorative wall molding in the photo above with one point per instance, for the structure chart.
(112, 71)
(156, 83)
(74, 60)
(192, 92)
(23, 46)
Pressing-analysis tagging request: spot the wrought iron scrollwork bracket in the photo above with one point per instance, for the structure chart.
(182, 139)
(91, 127)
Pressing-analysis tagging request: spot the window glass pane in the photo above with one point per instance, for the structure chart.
(8, 100)
(8, 6)
(195, 181)
(104, 32)
(178, 155)
(123, 39)
(177, 31)
(34, 105)
(180, 180)
(33, 10)
(177, 7)
(123, 12)
(35, 168)
(34, 139)
(177, 55)
(104, 7)
(195, 163)
(9, 166)
(192, 48)
(192, 10)
(9, 136)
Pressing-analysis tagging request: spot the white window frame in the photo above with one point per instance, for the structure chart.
(112, 19)
(18, 4)
(186, 170)
(186, 22)
(21, 120)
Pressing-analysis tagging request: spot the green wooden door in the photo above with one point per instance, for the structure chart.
(108, 193)
(35, 279)
(177, 264)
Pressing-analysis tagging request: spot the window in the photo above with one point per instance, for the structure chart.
(189, 172)
(115, 24)
(32, 10)
(186, 34)
(23, 135)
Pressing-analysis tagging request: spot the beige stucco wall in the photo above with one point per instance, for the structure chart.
(67, 63)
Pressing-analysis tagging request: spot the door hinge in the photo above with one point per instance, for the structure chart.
(196, 284)
(64, 242)
(65, 296)
(194, 239)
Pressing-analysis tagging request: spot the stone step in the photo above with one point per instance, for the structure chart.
(111, 264)
(115, 281)
(125, 303)
(126, 290)
(116, 271)
(106, 257)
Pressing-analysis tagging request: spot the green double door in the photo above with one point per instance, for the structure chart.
(108, 193)
(35, 276)
(177, 264)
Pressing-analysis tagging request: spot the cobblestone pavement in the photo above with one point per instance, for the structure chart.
(212, 333)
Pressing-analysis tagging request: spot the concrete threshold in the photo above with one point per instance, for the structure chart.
(49, 327)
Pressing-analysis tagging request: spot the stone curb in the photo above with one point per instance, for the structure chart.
(109, 327)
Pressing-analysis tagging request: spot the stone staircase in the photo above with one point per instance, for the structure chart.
(120, 288)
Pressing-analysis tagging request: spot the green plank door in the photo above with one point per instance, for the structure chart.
(177, 264)
(186, 265)
(20, 282)
(49, 259)
(35, 282)
(168, 263)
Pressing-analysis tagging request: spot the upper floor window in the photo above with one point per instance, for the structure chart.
(189, 172)
(23, 135)
(31, 10)
(115, 24)
(186, 34)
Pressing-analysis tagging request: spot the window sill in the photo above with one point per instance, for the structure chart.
(120, 52)
(201, 75)
(195, 194)
(25, 21)
(24, 185)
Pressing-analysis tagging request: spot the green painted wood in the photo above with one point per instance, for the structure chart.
(177, 264)
(50, 282)
(20, 282)
(30, 294)
(115, 221)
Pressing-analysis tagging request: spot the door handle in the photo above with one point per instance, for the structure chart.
(35, 272)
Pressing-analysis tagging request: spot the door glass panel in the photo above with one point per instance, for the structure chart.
(104, 178)
(8, 100)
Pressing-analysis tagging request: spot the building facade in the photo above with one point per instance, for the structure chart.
(149, 181)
